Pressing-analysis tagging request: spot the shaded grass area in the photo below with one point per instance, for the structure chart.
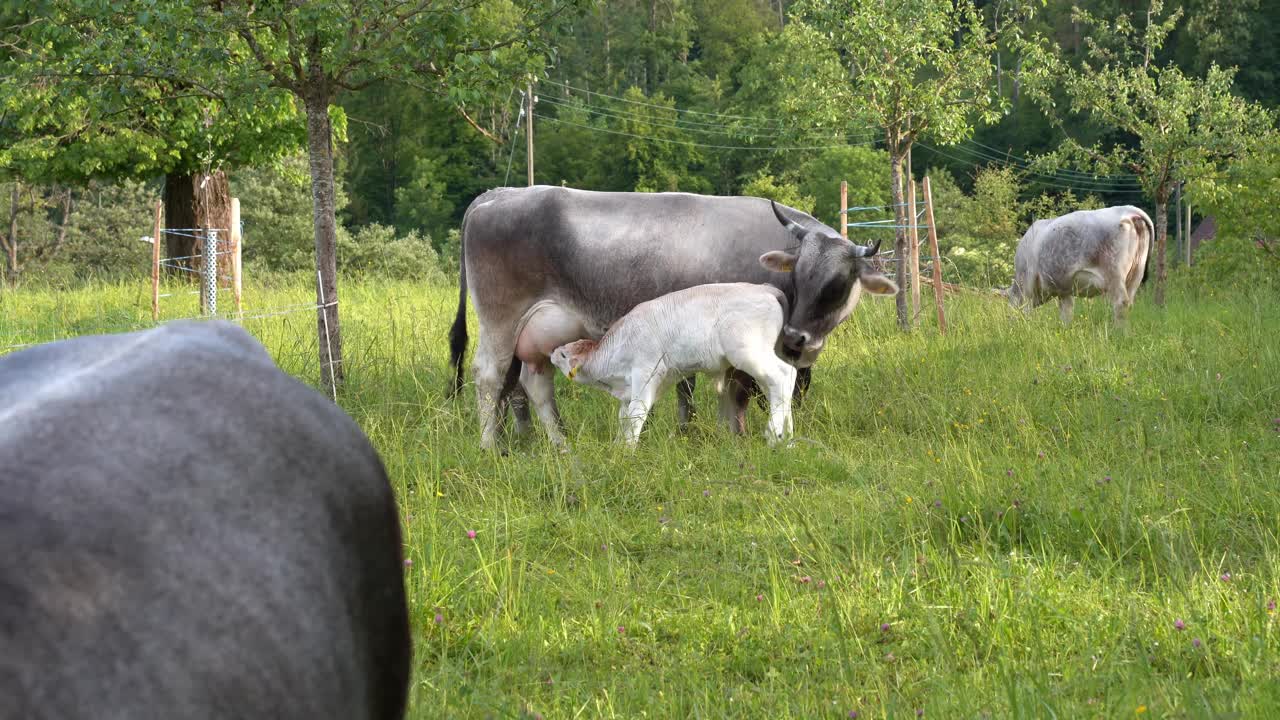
(1006, 520)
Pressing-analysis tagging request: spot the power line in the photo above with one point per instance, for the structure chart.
(1071, 176)
(1024, 160)
(1110, 190)
(658, 122)
(670, 141)
(778, 124)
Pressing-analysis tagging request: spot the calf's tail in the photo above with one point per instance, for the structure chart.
(458, 333)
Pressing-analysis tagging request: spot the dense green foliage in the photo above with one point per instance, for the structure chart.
(1011, 519)
(740, 96)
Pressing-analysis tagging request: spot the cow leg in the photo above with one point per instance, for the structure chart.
(494, 355)
(1118, 293)
(684, 402)
(803, 377)
(1066, 306)
(539, 384)
(734, 397)
(514, 397)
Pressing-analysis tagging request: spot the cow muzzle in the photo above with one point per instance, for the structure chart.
(799, 347)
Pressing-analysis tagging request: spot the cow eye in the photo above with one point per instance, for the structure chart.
(833, 295)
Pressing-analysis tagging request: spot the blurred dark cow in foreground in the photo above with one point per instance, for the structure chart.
(187, 532)
(546, 266)
(1083, 254)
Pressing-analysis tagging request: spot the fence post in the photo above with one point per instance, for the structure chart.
(236, 241)
(1177, 216)
(155, 263)
(844, 209)
(914, 248)
(211, 272)
(1187, 245)
(937, 256)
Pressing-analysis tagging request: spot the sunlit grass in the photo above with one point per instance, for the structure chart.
(1008, 519)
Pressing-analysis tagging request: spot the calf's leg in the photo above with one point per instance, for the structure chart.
(644, 391)
(779, 381)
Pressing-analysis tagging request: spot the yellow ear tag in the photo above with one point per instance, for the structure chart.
(573, 371)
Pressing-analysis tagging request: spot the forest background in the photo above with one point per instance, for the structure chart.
(709, 96)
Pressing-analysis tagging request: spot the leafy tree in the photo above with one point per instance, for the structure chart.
(1185, 127)
(86, 96)
(865, 170)
(1242, 196)
(920, 69)
(659, 153)
(766, 186)
(275, 209)
(241, 52)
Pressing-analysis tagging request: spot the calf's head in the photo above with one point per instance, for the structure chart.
(830, 274)
(569, 358)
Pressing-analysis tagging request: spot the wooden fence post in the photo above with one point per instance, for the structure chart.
(155, 262)
(914, 249)
(235, 254)
(844, 209)
(1177, 215)
(1187, 245)
(937, 256)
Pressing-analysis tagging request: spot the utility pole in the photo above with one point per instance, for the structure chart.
(528, 129)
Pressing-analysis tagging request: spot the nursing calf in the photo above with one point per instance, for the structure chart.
(188, 532)
(708, 328)
(1083, 254)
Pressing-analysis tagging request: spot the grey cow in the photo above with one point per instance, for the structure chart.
(1083, 254)
(545, 266)
(188, 532)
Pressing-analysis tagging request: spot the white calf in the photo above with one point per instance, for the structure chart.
(707, 328)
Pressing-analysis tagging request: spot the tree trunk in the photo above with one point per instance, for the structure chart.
(1162, 237)
(324, 220)
(186, 206)
(11, 240)
(651, 57)
(900, 233)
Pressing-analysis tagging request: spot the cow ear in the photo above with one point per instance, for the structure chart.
(779, 261)
(877, 284)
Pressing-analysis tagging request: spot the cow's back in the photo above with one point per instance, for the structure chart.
(605, 252)
(1083, 240)
(190, 533)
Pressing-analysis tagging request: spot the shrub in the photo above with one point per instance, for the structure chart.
(375, 250)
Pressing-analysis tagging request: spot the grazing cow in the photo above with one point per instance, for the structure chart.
(190, 533)
(707, 328)
(545, 266)
(1084, 253)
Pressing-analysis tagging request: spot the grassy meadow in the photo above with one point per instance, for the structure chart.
(1015, 519)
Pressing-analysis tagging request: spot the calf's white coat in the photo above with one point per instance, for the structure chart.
(707, 328)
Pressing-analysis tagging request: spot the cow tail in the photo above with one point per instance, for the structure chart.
(1151, 246)
(458, 333)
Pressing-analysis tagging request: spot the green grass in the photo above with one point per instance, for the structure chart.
(1028, 508)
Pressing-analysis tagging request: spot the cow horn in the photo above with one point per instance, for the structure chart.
(864, 251)
(787, 222)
